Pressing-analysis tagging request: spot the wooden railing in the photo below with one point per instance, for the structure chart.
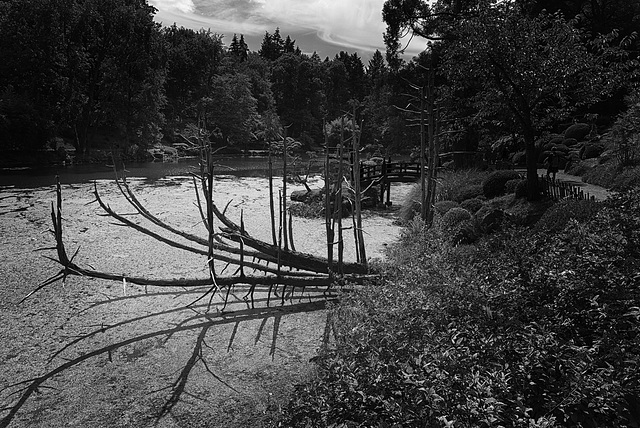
(389, 171)
(559, 190)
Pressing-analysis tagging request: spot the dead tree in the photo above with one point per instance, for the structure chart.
(272, 264)
(270, 267)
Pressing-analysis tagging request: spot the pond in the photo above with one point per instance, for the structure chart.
(150, 171)
(252, 357)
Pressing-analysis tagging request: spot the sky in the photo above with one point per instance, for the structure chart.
(324, 26)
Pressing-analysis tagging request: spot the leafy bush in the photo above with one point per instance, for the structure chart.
(443, 207)
(494, 184)
(601, 175)
(307, 210)
(472, 205)
(521, 189)
(510, 186)
(453, 217)
(460, 185)
(579, 169)
(523, 329)
(629, 178)
(625, 135)
(558, 215)
(457, 187)
(468, 191)
(578, 131)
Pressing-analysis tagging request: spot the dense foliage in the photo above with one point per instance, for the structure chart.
(103, 74)
(524, 329)
(518, 68)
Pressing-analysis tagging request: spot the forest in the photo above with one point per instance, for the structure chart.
(103, 74)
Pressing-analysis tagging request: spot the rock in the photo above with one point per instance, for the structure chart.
(570, 142)
(305, 196)
(578, 131)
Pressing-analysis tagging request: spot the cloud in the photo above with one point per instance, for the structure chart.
(347, 24)
(183, 6)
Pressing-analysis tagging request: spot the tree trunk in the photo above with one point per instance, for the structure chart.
(532, 165)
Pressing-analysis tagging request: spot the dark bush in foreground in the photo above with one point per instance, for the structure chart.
(522, 330)
(494, 184)
(558, 215)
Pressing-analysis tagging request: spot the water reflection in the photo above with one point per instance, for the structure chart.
(150, 171)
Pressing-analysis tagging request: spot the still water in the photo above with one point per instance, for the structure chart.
(150, 171)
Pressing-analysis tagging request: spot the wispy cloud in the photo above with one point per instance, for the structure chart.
(183, 6)
(348, 24)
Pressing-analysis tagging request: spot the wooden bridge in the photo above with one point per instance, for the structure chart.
(388, 172)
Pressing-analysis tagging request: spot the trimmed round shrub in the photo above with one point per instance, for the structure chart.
(577, 131)
(472, 205)
(591, 151)
(510, 186)
(468, 192)
(453, 218)
(558, 139)
(465, 233)
(557, 216)
(494, 184)
(443, 207)
(578, 169)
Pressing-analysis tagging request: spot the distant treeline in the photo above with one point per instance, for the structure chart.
(87, 70)
(100, 73)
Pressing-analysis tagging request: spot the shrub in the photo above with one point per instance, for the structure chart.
(307, 210)
(523, 329)
(468, 191)
(411, 204)
(452, 218)
(467, 232)
(558, 215)
(494, 184)
(601, 175)
(521, 189)
(443, 207)
(510, 186)
(592, 151)
(578, 131)
(472, 205)
(460, 185)
(629, 178)
(624, 135)
(578, 169)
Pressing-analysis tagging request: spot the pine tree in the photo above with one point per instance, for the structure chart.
(289, 45)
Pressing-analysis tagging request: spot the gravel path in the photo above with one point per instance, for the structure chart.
(600, 193)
